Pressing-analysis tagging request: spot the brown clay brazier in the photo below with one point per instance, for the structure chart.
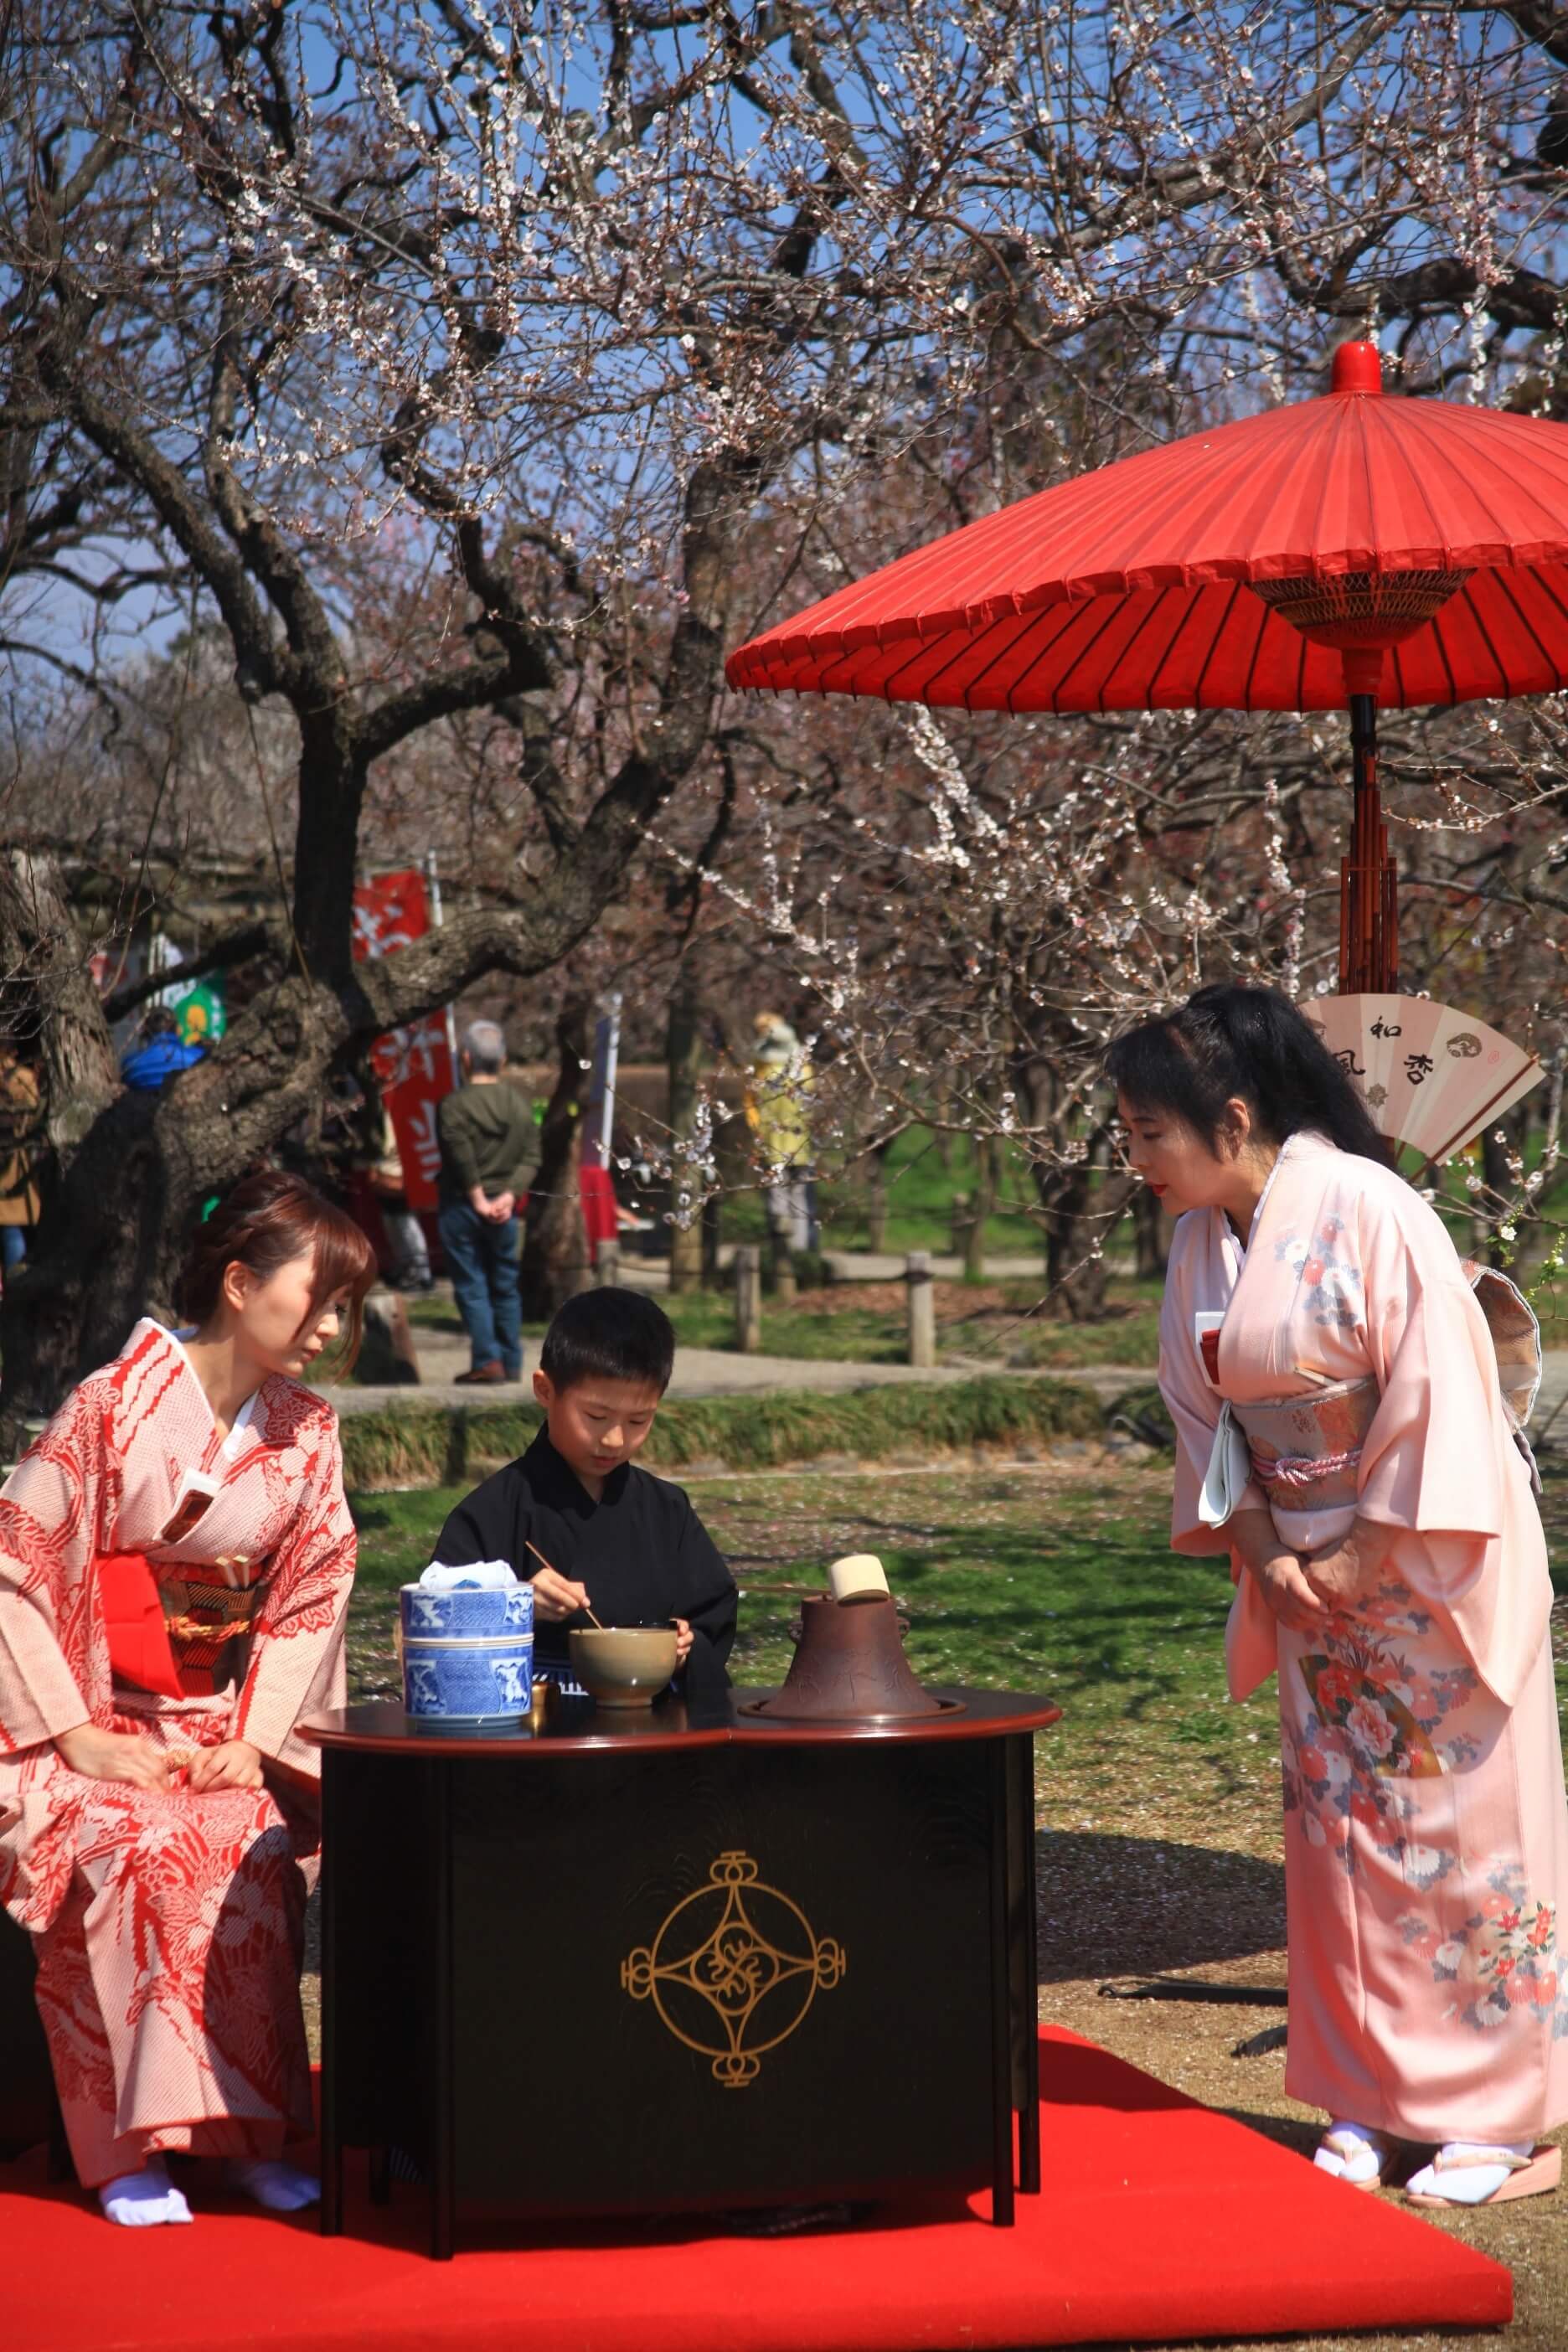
(850, 1666)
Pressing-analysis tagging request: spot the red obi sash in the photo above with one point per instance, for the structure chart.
(168, 1636)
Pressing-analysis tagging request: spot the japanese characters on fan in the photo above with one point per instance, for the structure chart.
(176, 1559)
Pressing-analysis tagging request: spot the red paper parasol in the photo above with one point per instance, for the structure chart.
(1342, 552)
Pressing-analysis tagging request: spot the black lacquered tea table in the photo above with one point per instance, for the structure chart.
(660, 1961)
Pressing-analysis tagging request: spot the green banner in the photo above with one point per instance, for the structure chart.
(202, 1013)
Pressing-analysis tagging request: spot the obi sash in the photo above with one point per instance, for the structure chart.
(1305, 1451)
(168, 1632)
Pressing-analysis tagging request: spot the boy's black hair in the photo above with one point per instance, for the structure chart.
(609, 1335)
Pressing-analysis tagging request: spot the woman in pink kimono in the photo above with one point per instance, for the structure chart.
(175, 1557)
(1342, 1433)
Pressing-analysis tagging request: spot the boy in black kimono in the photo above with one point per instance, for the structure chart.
(617, 1541)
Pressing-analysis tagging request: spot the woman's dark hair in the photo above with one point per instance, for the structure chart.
(1226, 1042)
(265, 1221)
(609, 1335)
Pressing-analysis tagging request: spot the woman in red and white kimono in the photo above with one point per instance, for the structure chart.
(176, 1559)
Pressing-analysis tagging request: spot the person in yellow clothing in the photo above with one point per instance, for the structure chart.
(21, 1122)
(778, 1100)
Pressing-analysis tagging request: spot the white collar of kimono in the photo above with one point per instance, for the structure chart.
(242, 1419)
(1304, 1139)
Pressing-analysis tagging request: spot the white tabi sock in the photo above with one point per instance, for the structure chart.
(281, 2188)
(1472, 2182)
(1362, 2163)
(139, 2200)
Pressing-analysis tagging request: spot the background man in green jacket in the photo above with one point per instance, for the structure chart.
(487, 1136)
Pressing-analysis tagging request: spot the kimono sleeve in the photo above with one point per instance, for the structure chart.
(707, 1598)
(1439, 1464)
(296, 1666)
(1194, 1407)
(1429, 1463)
(53, 1509)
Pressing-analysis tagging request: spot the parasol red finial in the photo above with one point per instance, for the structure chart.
(1358, 367)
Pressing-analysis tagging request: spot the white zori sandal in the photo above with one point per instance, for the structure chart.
(1467, 2172)
(1352, 2153)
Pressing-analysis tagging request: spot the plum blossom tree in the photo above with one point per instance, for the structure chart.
(475, 370)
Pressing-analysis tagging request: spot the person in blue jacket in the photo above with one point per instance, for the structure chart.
(161, 1054)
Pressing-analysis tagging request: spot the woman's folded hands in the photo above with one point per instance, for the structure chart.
(1341, 1574)
(1303, 1589)
(1278, 1572)
(127, 1756)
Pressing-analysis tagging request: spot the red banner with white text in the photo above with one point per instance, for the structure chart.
(412, 1065)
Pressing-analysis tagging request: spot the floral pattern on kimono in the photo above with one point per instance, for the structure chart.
(1329, 1278)
(168, 1922)
(1503, 1958)
(1374, 1721)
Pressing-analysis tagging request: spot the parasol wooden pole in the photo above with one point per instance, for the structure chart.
(1369, 882)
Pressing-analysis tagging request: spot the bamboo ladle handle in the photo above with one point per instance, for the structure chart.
(539, 1555)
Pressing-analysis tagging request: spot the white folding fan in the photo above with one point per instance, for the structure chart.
(1431, 1076)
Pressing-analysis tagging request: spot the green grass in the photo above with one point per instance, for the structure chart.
(416, 1445)
(706, 1318)
(1128, 1334)
(1016, 1334)
(1025, 1579)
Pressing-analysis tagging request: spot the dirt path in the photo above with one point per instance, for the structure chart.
(700, 1372)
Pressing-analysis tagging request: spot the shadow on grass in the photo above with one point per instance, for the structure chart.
(1142, 1907)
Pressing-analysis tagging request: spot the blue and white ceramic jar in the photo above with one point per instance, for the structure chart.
(466, 1637)
(471, 1682)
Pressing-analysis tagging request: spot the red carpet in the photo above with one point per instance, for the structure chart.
(1159, 2221)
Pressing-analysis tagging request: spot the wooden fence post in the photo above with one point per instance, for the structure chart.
(922, 1309)
(783, 1259)
(749, 1300)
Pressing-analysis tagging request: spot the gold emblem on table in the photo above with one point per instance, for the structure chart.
(734, 1969)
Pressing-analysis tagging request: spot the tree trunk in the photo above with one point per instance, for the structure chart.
(120, 1214)
(1080, 1199)
(987, 1154)
(1080, 1214)
(942, 1135)
(119, 1198)
(49, 988)
(556, 1240)
(683, 1048)
(876, 1201)
(1148, 1234)
(1075, 1277)
(107, 1248)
